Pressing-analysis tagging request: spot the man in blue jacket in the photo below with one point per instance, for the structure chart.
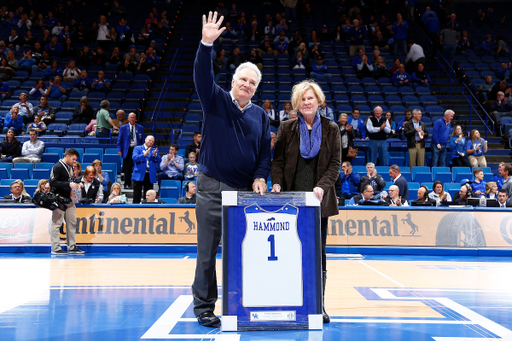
(357, 124)
(349, 181)
(146, 160)
(229, 119)
(440, 135)
(400, 29)
(130, 136)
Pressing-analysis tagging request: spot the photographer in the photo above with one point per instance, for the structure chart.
(61, 180)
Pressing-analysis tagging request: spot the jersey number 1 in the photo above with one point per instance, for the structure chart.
(271, 239)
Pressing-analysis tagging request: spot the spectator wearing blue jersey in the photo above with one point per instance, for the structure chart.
(319, 70)
(101, 83)
(421, 77)
(348, 184)
(357, 124)
(400, 28)
(358, 58)
(50, 22)
(83, 83)
(427, 13)
(476, 147)
(458, 148)
(440, 134)
(400, 77)
(478, 185)
(52, 70)
(487, 46)
(54, 47)
(57, 91)
(14, 121)
(504, 71)
(356, 34)
(125, 35)
(5, 90)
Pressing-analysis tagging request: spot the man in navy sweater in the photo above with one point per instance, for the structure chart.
(235, 155)
(440, 139)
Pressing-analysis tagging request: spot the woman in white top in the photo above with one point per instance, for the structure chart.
(271, 113)
(438, 194)
(103, 30)
(285, 113)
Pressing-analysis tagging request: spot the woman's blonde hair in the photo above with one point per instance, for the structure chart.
(22, 185)
(300, 88)
(41, 184)
(342, 115)
(489, 186)
(97, 162)
(118, 185)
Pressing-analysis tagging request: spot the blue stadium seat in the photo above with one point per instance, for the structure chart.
(77, 129)
(113, 158)
(22, 174)
(111, 167)
(50, 158)
(452, 188)
(43, 165)
(58, 129)
(88, 158)
(41, 173)
(27, 166)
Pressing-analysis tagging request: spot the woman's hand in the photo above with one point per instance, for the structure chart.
(276, 188)
(319, 193)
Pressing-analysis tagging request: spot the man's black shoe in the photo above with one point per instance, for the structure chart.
(59, 253)
(75, 250)
(208, 319)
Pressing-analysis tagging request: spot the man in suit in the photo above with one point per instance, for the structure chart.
(399, 180)
(130, 136)
(394, 199)
(146, 161)
(502, 198)
(416, 132)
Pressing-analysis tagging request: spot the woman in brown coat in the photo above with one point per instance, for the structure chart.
(307, 156)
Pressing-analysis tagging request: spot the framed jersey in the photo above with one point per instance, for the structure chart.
(271, 257)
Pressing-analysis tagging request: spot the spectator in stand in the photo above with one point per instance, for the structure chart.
(54, 47)
(6, 71)
(43, 186)
(101, 83)
(358, 124)
(236, 59)
(364, 69)
(400, 77)
(499, 177)
(285, 113)
(378, 42)
(400, 28)
(507, 182)
(116, 196)
(195, 145)
(25, 108)
(438, 194)
(101, 176)
(18, 193)
(12, 62)
(172, 166)
(375, 180)
(347, 137)
(487, 47)
(501, 107)
(458, 148)
(504, 71)
(503, 198)
(265, 46)
(389, 117)
(325, 111)
(14, 121)
(432, 27)
(56, 91)
(32, 150)
(271, 113)
(421, 77)
(347, 184)
(104, 122)
(367, 197)
(130, 136)
(415, 57)
(83, 112)
(399, 180)
(146, 160)
(476, 147)
(356, 34)
(119, 121)
(281, 46)
(416, 133)
(27, 61)
(377, 128)
(126, 66)
(37, 125)
(380, 69)
(491, 190)
(462, 196)
(394, 198)
(99, 57)
(68, 50)
(83, 83)
(449, 39)
(423, 196)
(190, 194)
(10, 147)
(151, 198)
(500, 86)
(125, 34)
(464, 43)
(5, 90)
(153, 59)
(440, 134)
(289, 6)
(400, 127)
(396, 65)
(53, 70)
(478, 185)
(319, 70)
(191, 167)
(255, 58)
(358, 58)
(484, 89)
(71, 73)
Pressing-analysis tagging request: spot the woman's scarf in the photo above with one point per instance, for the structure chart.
(310, 144)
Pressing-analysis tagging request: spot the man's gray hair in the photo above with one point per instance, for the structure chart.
(104, 104)
(448, 112)
(415, 111)
(250, 66)
(396, 168)
(371, 164)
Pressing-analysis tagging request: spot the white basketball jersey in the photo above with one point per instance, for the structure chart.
(271, 258)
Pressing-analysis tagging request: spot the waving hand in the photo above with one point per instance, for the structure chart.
(211, 29)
